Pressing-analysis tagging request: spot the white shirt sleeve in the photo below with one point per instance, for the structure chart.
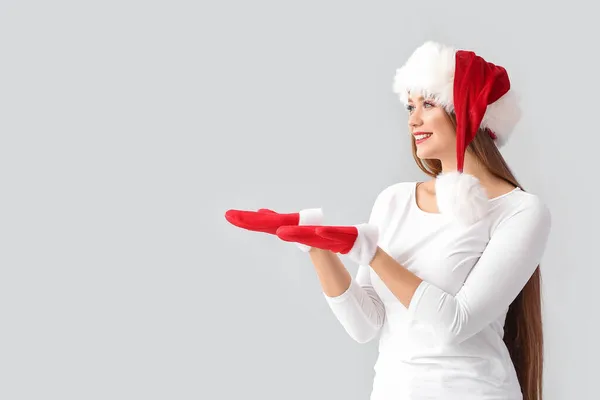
(359, 309)
(509, 260)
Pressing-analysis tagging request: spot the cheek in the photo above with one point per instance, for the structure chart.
(443, 129)
(445, 135)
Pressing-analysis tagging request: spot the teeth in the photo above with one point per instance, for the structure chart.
(419, 137)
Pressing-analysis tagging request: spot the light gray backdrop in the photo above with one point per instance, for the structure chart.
(128, 128)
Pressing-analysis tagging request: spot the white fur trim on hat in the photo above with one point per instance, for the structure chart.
(429, 71)
(461, 196)
(501, 117)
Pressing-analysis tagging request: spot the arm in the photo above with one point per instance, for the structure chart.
(333, 275)
(401, 282)
(510, 258)
(353, 301)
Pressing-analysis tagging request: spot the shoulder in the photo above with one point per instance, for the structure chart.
(524, 210)
(529, 203)
(395, 191)
(391, 198)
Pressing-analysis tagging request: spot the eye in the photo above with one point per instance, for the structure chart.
(410, 108)
(428, 104)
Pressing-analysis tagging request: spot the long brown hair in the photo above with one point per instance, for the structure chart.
(523, 333)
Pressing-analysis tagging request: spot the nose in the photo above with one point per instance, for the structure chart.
(414, 119)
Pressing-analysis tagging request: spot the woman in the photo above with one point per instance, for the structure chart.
(448, 273)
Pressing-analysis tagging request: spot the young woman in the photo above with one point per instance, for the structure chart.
(448, 275)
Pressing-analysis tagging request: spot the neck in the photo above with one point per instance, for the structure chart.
(471, 167)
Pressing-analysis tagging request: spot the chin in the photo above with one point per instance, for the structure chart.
(427, 154)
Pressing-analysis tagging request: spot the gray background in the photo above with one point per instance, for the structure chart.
(129, 128)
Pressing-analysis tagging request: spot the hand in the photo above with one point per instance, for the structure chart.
(263, 220)
(268, 221)
(337, 239)
(359, 242)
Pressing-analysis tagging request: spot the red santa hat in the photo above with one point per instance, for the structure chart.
(478, 93)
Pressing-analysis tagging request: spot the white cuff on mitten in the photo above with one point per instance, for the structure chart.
(365, 245)
(309, 216)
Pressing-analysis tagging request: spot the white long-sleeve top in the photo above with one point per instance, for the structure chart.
(448, 344)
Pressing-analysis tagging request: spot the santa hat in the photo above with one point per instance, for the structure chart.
(478, 93)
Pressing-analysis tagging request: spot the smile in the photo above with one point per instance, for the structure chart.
(421, 137)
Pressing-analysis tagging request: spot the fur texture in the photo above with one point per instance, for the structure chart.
(365, 246)
(429, 71)
(309, 216)
(461, 196)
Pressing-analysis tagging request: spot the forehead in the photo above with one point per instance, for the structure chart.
(416, 97)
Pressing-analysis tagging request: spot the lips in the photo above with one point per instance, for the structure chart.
(420, 137)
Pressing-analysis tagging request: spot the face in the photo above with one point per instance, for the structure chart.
(432, 129)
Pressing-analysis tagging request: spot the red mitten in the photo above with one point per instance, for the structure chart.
(268, 221)
(359, 242)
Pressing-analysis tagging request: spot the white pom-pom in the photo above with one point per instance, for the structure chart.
(461, 196)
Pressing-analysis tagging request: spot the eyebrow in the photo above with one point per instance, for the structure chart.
(420, 98)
